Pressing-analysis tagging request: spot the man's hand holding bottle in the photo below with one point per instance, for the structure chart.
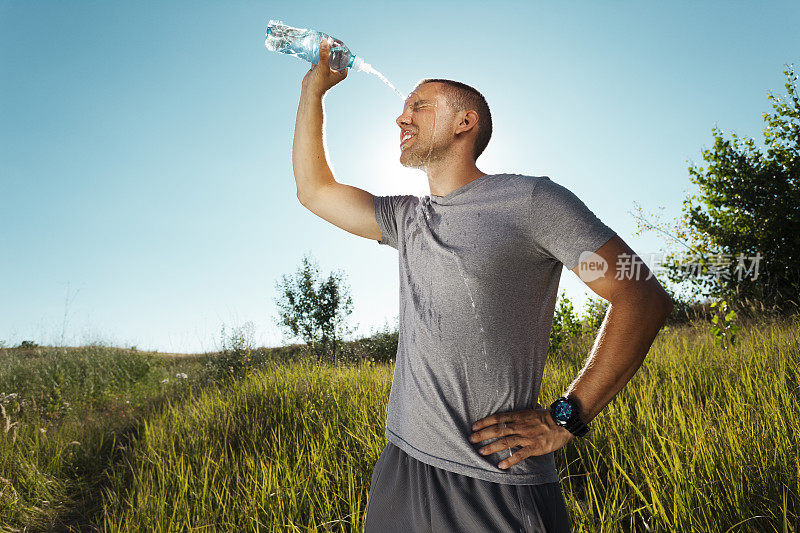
(320, 78)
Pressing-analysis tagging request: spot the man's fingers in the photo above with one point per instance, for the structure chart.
(502, 444)
(324, 52)
(493, 419)
(500, 429)
(484, 422)
(521, 455)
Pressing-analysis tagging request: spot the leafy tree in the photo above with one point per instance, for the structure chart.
(313, 309)
(741, 232)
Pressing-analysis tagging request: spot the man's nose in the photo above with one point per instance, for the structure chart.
(402, 119)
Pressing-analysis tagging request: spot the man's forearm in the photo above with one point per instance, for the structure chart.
(311, 169)
(631, 324)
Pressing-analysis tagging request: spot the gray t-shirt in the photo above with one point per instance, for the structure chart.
(479, 272)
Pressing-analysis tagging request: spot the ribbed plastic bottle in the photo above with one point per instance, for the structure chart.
(304, 44)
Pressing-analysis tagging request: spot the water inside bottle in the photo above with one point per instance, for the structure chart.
(298, 42)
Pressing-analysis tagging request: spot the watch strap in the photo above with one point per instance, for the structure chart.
(577, 428)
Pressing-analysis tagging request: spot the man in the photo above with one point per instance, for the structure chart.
(469, 446)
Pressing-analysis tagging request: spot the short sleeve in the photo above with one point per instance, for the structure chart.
(388, 210)
(563, 226)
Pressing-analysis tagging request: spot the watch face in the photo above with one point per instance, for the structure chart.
(563, 411)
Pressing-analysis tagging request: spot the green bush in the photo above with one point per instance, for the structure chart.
(596, 309)
(566, 326)
(28, 345)
(235, 360)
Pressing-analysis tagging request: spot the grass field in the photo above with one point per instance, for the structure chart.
(702, 439)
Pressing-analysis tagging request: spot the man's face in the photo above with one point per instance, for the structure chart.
(425, 118)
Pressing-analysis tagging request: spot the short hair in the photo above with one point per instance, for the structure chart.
(463, 97)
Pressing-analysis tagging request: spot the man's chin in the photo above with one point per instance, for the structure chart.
(406, 162)
(409, 161)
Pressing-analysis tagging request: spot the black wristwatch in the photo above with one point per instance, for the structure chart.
(566, 413)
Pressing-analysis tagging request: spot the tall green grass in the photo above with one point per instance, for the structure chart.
(291, 449)
(701, 439)
(65, 415)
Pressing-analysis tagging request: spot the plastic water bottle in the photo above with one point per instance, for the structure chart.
(305, 45)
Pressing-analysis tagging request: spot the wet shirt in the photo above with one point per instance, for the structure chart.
(479, 272)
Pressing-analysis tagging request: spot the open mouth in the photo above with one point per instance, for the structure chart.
(406, 137)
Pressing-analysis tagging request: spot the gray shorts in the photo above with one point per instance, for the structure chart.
(407, 495)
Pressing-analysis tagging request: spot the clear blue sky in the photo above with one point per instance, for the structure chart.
(145, 147)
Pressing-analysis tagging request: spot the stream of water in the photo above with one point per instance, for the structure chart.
(361, 65)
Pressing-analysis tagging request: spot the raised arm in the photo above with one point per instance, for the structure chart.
(347, 207)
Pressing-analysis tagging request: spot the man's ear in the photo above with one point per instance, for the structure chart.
(468, 120)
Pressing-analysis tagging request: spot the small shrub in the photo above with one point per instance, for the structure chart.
(566, 326)
(236, 358)
(27, 345)
(379, 347)
(724, 328)
(596, 310)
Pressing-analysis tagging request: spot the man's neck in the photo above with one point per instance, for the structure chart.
(445, 177)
